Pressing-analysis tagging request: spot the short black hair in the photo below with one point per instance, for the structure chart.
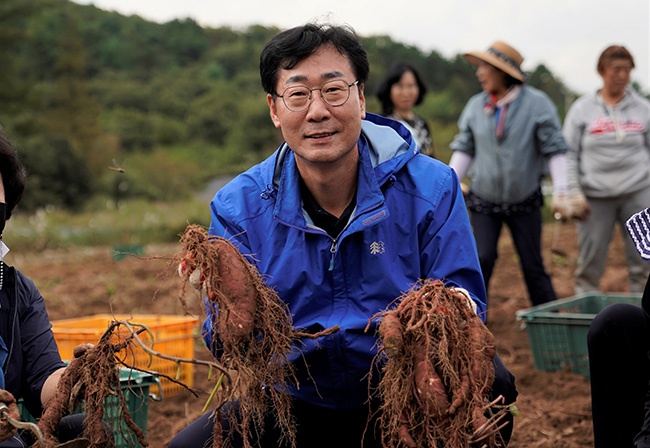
(288, 48)
(392, 76)
(13, 173)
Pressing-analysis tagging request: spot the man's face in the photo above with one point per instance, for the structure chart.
(321, 133)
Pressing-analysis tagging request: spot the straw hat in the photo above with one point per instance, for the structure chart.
(502, 56)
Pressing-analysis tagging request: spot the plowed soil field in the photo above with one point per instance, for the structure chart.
(555, 409)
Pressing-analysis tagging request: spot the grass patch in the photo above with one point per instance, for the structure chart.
(105, 223)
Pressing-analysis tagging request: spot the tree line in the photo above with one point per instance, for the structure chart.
(101, 104)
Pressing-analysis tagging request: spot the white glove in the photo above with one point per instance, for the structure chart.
(194, 275)
(464, 294)
(561, 207)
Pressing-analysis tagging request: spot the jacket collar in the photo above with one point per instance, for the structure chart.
(385, 146)
(385, 139)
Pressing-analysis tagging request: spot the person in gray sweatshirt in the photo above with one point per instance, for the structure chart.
(608, 168)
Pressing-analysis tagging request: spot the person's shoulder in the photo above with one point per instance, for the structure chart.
(584, 102)
(256, 177)
(23, 280)
(24, 285)
(428, 179)
(535, 93)
(426, 170)
(479, 97)
(639, 99)
(537, 99)
(248, 193)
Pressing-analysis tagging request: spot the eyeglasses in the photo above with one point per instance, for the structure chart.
(335, 93)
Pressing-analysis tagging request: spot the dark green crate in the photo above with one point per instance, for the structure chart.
(557, 331)
(121, 252)
(136, 387)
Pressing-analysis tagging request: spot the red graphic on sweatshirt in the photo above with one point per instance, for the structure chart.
(605, 125)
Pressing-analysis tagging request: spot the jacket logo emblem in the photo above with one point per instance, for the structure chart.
(377, 248)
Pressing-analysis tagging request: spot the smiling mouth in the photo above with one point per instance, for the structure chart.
(323, 135)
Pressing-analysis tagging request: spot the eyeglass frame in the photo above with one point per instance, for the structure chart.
(311, 96)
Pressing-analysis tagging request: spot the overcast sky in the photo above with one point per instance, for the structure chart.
(565, 35)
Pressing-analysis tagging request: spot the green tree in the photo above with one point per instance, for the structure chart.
(72, 112)
(212, 116)
(185, 40)
(15, 81)
(168, 95)
(57, 175)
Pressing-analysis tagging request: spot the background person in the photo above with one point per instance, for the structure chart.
(619, 368)
(608, 168)
(508, 134)
(399, 92)
(341, 220)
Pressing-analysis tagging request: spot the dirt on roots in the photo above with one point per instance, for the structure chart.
(555, 407)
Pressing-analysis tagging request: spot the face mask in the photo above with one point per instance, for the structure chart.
(3, 211)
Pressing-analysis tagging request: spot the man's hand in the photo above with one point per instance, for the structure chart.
(7, 430)
(561, 207)
(463, 294)
(187, 269)
(579, 206)
(81, 349)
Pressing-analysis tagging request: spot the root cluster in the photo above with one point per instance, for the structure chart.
(89, 379)
(254, 332)
(436, 380)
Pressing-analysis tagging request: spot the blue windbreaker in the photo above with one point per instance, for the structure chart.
(410, 223)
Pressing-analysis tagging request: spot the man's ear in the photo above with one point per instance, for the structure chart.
(362, 100)
(273, 110)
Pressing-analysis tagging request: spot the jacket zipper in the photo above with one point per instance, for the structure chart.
(334, 245)
(333, 249)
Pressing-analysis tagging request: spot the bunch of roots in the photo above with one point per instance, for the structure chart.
(436, 380)
(92, 376)
(253, 330)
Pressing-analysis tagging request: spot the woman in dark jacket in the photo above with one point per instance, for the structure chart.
(31, 364)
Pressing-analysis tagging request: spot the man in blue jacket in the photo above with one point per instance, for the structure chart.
(342, 219)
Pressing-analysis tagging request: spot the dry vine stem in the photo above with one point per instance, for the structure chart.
(435, 383)
(93, 375)
(254, 332)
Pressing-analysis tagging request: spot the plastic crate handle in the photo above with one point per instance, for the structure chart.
(159, 396)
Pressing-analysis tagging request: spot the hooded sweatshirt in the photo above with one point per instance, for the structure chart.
(609, 153)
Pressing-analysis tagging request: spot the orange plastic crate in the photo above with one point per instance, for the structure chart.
(172, 336)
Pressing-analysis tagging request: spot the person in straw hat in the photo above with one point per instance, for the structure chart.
(509, 135)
